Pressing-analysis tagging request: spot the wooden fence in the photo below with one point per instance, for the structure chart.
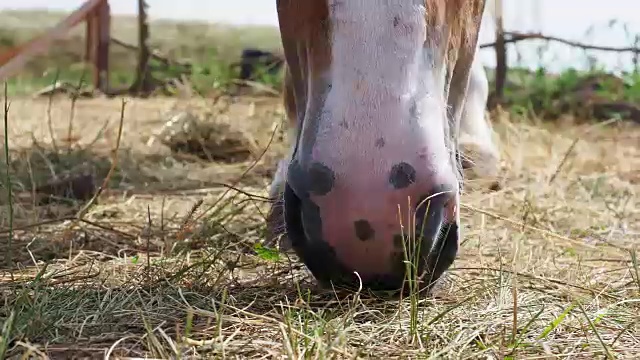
(96, 15)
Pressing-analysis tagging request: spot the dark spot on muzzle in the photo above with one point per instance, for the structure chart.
(379, 143)
(321, 179)
(363, 229)
(398, 242)
(402, 175)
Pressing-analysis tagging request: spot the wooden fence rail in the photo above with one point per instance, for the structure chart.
(505, 37)
(96, 14)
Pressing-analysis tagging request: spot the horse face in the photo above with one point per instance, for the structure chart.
(373, 168)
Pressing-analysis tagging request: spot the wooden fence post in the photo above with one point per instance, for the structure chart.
(104, 39)
(142, 83)
(88, 48)
(92, 47)
(97, 45)
(501, 53)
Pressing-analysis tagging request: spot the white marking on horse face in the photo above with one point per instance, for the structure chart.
(385, 82)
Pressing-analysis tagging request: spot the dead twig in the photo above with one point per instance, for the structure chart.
(514, 37)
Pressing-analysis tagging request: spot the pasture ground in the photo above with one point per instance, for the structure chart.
(164, 263)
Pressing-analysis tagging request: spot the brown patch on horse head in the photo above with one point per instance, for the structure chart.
(288, 95)
(461, 17)
(305, 32)
(462, 20)
(304, 27)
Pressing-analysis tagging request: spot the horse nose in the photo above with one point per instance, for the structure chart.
(335, 244)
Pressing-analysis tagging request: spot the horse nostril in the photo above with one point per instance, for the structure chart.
(437, 228)
(432, 212)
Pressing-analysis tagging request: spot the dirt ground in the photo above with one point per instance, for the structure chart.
(164, 264)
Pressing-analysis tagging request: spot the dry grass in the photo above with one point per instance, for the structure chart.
(164, 264)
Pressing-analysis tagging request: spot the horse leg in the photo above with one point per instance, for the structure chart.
(275, 218)
(480, 155)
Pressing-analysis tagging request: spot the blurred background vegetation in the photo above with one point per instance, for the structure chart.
(206, 56)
